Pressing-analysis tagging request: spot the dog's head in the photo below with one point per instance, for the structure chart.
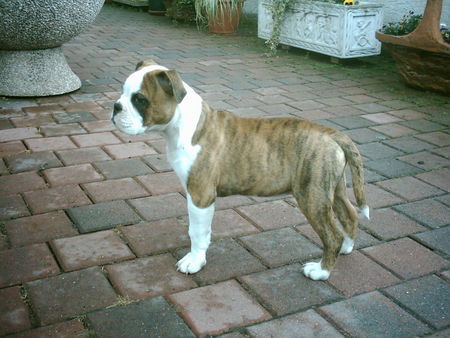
(149, 99)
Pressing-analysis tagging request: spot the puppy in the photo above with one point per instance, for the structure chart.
(216, 153)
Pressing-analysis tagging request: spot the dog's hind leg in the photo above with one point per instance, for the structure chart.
(200, 220)
(347, 216)
(319, 213)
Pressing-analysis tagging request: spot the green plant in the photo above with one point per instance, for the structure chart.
(183, 10)
(407, 24)
(210, 9)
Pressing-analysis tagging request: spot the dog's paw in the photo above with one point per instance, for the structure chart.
(347, 246)
(314, 271)
(191, 263)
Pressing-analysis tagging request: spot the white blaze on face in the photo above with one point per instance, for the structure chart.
(128, 120)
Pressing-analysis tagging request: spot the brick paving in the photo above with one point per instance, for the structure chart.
(93, 220)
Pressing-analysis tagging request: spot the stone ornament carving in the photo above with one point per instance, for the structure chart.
(335, 30)
(31, 33)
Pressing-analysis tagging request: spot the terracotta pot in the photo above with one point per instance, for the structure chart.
(226, 21)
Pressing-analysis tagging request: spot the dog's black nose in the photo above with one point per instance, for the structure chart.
(117, 108)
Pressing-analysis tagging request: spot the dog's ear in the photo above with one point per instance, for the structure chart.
(145, 63)
(171, 83)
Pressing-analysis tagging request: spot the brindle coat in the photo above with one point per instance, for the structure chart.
(268, 156)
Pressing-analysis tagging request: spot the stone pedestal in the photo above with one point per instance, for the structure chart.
(41, 72)
(31, 33)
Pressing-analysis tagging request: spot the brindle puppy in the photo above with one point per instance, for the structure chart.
(216, 153)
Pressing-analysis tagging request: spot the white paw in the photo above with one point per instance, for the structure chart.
(347, 245)
(192, 262)
(314, 271)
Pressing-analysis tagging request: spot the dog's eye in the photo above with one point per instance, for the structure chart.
(139, 101)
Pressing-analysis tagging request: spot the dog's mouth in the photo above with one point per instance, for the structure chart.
(128, 125)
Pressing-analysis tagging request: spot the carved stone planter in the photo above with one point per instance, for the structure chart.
(331, 29)
(31, 35)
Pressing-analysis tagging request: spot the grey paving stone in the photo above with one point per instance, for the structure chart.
(281, 246)
(391, 167)
(152, 317)
(436, 239)
(123, 168)
(427, 297)
(352, 122)
(34, 161)
(428, 212)
(102, 216)
(422, 125)
(365, 135)
(442, 118)
(74, 117)
(57, 298)
(62, 129)
(157, 162)
(331, 124)
(226, 259)
(12, 207)
(286, 289)
(377, 151)
(373, 315)
(161, 206)
(408, 144)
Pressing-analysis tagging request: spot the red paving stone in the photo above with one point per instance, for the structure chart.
(161, 183)
(75, 253)
(26, 264)
(14, 314)
(271, 215)
(50, 143)
(124, 188)
(136, 149)
(406, 258)
(214, 309)
(355, 273)
(13, 184)
(158, 236)
(148, 277)
(72, 175)
(12, 148)
(77, 194)
(62, 197)
(303, 324)
(95, 139)
(71, 328)
(18, 134)
(39, 228)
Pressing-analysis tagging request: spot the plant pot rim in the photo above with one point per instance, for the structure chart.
(405, 40)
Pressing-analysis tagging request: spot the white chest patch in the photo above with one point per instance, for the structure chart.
(180, 151)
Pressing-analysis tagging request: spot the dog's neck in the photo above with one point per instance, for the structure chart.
(182, 126)
(179, 133)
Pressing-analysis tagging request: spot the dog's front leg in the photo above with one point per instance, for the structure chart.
(200, 220)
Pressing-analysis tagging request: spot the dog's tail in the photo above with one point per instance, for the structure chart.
(354, 160)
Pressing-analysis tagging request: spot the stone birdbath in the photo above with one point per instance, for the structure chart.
(31, 34)
(422, 57)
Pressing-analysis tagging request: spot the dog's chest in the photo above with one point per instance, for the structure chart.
(181, 157)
